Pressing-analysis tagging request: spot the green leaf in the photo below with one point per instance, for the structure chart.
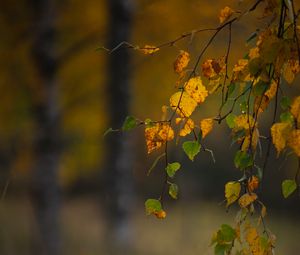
(287, 117)
(129, 123)
(172, 169)
(224, 239)
(288, 187)
(260, 88)
(152, 206)
(285, 103)
(264, 242)
(230, 120)
(155, 163)
(173, 190)
(220, 249)
(191, 149)
(242, 160)
(228, 233)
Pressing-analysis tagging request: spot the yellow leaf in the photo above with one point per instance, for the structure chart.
(196, 89)
(241, 71)
(181, 61)
(290, 70)
(178, 120)
(254, 242)
(295, 109)
(244, 121)
(149, 49)
(157, 135)
(280, 133)
(246, 142)
(247, 199)
(240, 66)
(206, 125)
(271, 92)
(251, 236)
(232, 192)
(225, 14)
(254, 53)
(183, 104)
(187, 128)
(294, 141)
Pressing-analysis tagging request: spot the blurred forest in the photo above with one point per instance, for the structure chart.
(67, 190)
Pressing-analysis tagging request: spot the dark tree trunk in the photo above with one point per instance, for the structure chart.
(119, 195)
(45, 191)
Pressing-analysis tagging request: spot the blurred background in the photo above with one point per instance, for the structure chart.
(67, 190)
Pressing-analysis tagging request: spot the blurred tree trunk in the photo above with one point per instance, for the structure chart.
(119, 195)
(45, 191)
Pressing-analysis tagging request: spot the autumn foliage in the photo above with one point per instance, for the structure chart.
(256, 82)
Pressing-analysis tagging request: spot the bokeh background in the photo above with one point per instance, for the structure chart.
(67, 190)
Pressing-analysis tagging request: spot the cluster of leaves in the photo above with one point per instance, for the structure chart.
(256, 81)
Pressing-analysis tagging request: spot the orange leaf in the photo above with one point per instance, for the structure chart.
(253, 182)
(247, 199)
(206, 126)
(181, 61)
